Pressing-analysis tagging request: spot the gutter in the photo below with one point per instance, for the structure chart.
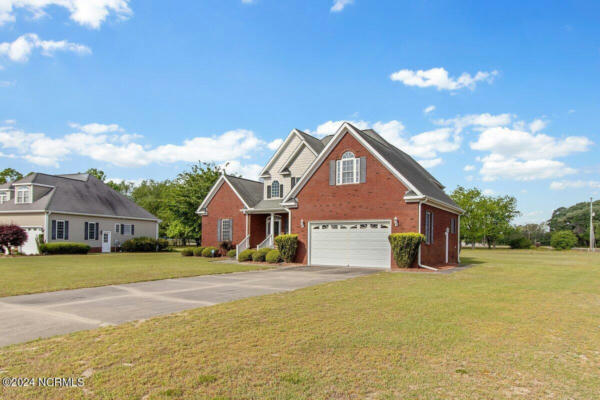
(419, 260)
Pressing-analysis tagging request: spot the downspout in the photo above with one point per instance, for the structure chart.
(420, 228)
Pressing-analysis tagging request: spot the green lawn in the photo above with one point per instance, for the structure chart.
(22, 275)
(518, 325)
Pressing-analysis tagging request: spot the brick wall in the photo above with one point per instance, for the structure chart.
(435, 254)
(380, 197)
(224, 205)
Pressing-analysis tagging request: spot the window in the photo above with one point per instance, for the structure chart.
(60, 230)
(428, 227)
(3, 197)
(117, 228)
(453, 225)
(348, 169)
(126, 229)
(226, 230)
(275, 189)
(295, 181)
(23, 195)
(91, 230)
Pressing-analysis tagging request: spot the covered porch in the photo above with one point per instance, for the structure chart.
(262, 226)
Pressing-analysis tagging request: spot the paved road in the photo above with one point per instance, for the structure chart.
(28, 317)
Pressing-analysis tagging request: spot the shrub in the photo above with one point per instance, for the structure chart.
(64, 248)
(144, 245)
(520, 243)
(287, 245)
(211, 252)
(12, 236)
(405, 247)
(246, 255)
(563, 240)
(226, 245)
(198, 251)
(273, 257)
(187, 252)
(231, 253)
(260, 255)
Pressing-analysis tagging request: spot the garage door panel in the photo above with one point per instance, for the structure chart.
(347, 243)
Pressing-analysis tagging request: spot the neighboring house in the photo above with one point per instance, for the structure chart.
(73, 208)
(343, 195)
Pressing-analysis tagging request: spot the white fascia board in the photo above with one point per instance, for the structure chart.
(294, 154)
(107, 216)
(435, 203)
(346, 128)
(264, 171)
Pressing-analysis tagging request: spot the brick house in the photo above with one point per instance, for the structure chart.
(343, 195)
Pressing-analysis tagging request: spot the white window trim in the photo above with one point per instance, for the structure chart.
(126, 229)
(4, 197)
(230, 221)
(58, 221)
(118, 229)
(27, 190)
(90, 225)
(355, 171)
(278, 190)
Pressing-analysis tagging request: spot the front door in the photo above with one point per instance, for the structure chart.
(276, 226)
(106, 242)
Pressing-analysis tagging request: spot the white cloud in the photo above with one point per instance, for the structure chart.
(20, 50)
(274, 145)
(489, 192)
(469, 168)
(476, 121)
(249, 171)
(429, 109)
(513, 143)
(89, 13)
(439, 78)
(537, 125)
(10, 121)
(496, 166)
(5, 84)
(122, 150)
(431, 163)
(339, 5)
(563, 185)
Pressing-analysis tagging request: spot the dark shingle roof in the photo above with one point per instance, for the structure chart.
(78, 193)
(326, 139)
(312, 141)
(407, 166)
(250, 191)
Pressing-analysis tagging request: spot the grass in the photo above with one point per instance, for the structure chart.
(519, 324)
(24, 275)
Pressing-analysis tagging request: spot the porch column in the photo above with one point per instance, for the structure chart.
(289, 222)
(273, 226)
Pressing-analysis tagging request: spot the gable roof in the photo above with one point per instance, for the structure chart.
(311, 142)
(248, 191)
(77, 194)
(421, 184)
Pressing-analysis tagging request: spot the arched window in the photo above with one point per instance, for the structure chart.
(348, 169)
(275, 189)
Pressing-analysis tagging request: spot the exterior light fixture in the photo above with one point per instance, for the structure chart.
(302, 223)
(395, 221)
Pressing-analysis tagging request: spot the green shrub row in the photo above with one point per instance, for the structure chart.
(187, 252)
(273, 257)
(231, 253)
(287, 246)
(260, 255)
(246, 255)
(144, 244)
(64, 248)
(198, 251)
(405, 247)
(520, 243)
(211, 252)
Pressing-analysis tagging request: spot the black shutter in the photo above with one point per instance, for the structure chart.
(86, 231)
(269, 192)
(122, 229)
(66, 230)
(53, 229)
(363, 169)
(281, 191)
(231, 229)
(97, 229)
(132, 229)
(219, 230)
(332, 173)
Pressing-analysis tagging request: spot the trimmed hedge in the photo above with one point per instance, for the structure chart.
(231, 253)
(64, 248)
(260, 255)
(246, 255)
(144, 245)
(273, 257)
(405, 247)
(520, 243)
(287, 245)
(210, 252)
(198, 251)
(187, 252)
(563, 240)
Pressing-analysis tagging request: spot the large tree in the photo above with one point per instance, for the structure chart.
(9, 175)
(577, 220)
(189, 190)
(154, 196)
(123, 187)
(471, 222)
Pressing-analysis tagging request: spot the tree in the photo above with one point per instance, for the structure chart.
(189, 190)
(122, 187)
(98, 173)
(471, 222)
(577, 220)
(154, 196)
(177, 230)
(9, 175)
(11, 236)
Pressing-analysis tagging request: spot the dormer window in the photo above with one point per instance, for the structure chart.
(4, 197)
(23, 195)
(275, 190)
(348, 169)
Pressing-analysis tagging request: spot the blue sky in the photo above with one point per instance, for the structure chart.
(499, 95)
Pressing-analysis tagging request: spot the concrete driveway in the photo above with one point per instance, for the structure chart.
(28, 317)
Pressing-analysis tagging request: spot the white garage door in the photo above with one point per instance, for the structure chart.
(30, 246)
(353, 244)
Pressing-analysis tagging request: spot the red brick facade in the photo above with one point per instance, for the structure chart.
(380, 197)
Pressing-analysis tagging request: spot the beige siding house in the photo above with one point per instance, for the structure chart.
(73, 208)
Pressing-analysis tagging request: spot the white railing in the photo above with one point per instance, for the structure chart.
(243, 245)
(268, 242)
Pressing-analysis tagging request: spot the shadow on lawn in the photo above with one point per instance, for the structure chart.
(470, 261)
